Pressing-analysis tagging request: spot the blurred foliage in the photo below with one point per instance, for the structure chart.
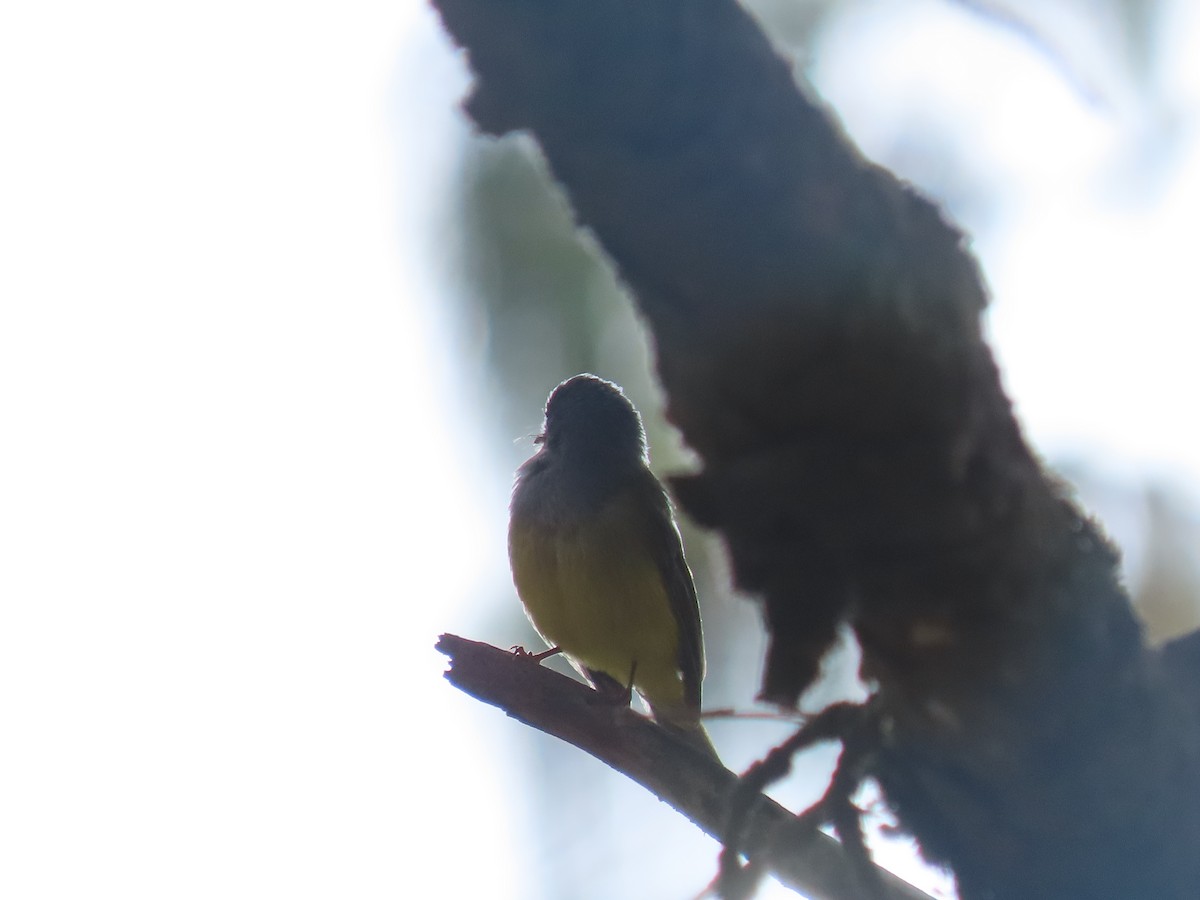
(795, 24)
(1136, 29)
(1167, 593)
(1157, 528)
(1098, 46)
(542, 294)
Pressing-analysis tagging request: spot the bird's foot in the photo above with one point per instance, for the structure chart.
(521, 653)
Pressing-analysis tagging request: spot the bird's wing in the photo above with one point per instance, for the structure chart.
(681, 590)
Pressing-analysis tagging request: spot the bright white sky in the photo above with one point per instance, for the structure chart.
(1095, 295)
(239, 491)
(233, 513)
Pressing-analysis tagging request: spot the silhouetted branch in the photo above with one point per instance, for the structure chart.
(795, 852)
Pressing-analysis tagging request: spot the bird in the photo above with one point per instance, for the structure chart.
(598, 561)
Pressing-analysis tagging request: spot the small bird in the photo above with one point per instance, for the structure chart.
(597, 558)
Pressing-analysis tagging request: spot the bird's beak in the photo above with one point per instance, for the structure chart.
(540, 438)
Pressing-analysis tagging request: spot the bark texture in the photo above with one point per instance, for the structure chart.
(817, 328)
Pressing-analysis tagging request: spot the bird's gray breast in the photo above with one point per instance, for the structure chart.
(553, 495)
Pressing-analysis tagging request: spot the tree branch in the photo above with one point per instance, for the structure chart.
(691, 782)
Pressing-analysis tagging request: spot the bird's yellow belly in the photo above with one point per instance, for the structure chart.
(594, 590)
